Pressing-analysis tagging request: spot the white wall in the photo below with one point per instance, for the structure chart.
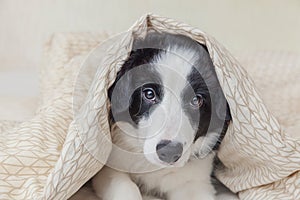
(25, 24)
(240, 25)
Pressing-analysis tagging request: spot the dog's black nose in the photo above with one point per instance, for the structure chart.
(169, 151)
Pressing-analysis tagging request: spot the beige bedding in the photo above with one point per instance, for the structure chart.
(52, 155)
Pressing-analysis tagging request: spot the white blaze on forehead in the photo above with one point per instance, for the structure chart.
(174, 66)
(168, 119)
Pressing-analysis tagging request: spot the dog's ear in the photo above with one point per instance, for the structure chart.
(228, 114)
(222, 107)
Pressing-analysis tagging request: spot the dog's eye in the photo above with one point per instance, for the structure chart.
(197, 101)
(149, 94)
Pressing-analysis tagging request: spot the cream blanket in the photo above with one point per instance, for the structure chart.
(67, 142)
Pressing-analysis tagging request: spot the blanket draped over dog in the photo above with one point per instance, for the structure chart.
(52, 155)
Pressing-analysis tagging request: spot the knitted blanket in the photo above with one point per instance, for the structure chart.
(52, 155)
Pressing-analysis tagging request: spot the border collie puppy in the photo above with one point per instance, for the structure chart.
(168, 115)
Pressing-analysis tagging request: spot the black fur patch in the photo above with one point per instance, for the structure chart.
(144, 75)
(199, 118)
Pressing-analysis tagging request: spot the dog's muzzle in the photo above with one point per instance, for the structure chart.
(169, 151)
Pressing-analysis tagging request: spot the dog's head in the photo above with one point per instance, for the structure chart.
(168, 94)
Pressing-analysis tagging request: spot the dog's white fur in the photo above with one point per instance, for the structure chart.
(191, 181)
(168, 119)
(189, 177)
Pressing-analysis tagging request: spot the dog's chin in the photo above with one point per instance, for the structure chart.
(167, 165)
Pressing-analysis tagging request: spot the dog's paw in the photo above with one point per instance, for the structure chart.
(126, 191)
(121, 191)
(109, 184)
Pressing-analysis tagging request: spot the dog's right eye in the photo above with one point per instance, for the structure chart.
(197, 101)
(149, 94)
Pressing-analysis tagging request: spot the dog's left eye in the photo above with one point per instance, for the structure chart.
(197, 101)
(149, 94)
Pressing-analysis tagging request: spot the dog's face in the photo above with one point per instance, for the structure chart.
(168, 94)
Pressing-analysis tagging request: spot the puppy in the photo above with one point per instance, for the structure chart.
(168, 115)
